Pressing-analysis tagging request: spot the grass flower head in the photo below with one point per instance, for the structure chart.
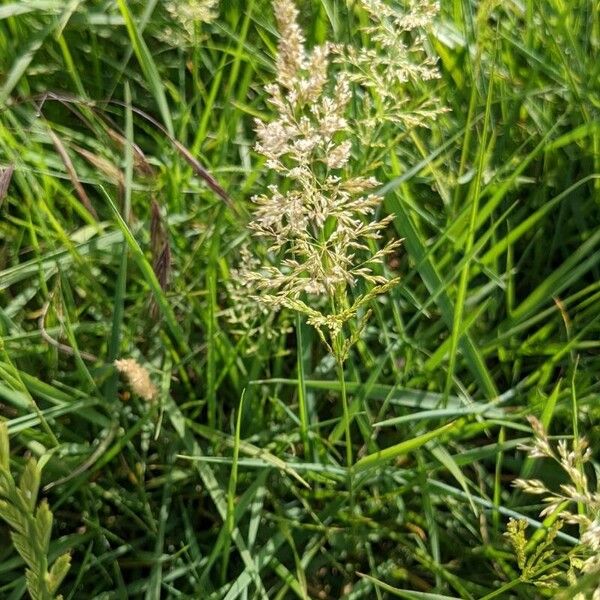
(395, 56)
(319, 223)
(576, 494)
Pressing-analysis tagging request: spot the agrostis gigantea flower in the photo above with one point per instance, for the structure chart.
(190, 12)
(577, 493)
(319, 227)
(396, 55)
(250, 319)
(187, 15)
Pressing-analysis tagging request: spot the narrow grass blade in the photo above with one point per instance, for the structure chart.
(377, 459)
(148, 272)
(411, 595)
(231, 489)
(22, 62)
(428, 271)
(474, 195)
(148, 65)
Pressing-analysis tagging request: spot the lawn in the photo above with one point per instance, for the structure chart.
(299, 299)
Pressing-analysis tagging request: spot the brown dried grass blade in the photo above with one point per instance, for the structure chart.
(102, 164)
(5, 179)
(203, 173)
(139, 158)
(210, 181)
(161, 252)
(62, 152)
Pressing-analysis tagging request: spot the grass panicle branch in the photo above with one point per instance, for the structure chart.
(560, 504)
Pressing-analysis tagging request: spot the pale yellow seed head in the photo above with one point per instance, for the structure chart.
(137, 377)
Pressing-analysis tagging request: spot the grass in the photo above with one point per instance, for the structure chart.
(233, 483)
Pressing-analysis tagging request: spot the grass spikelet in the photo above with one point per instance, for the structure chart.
(191, 12)
(396, 56)
(5, 179)
(137, 377)
(161, 253)
(187, 16)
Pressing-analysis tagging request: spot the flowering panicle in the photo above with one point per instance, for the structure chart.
(571, 461)
(318, 226)
(395, 56)
(249, 319)
(187, 15)
(531, 563)
(30, 525)
(578, 492)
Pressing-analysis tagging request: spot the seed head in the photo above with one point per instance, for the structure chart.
(138, 378)
(187, 15)
(577, 492)
(319, 223)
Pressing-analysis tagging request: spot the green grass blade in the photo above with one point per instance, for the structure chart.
(148, 65)
(372, 461)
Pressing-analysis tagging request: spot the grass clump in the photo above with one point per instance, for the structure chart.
(311, 409)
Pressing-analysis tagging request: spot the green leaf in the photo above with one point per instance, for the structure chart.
(148, 65)
(4, 447)
(12, 9)
(406, 593)
(146, 269)
(57, 573)
(428, 270)
(579, 262)
(22, 62)
(29, 484)
(448, 461)
(247, 448)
